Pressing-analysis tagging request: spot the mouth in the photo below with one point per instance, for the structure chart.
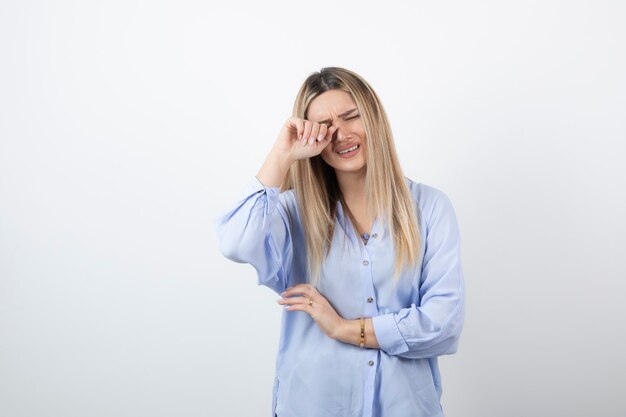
(349, 152)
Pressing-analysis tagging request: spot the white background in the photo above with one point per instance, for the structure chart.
(126, 127)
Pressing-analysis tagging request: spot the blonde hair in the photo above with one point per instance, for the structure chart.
(387, 193)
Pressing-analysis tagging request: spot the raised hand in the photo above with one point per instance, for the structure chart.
(301, 138)
(298, 139)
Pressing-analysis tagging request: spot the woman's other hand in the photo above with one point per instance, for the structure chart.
(300, 298)
(301, 138)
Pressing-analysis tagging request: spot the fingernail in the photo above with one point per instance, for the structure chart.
(311, 140)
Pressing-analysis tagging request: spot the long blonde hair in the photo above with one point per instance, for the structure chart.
(387, 194)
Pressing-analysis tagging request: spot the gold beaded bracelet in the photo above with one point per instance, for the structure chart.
(362, 332)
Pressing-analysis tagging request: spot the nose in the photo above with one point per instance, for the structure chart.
(341, 133)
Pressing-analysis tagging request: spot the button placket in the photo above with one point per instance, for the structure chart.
(368, 282)
(370, 310)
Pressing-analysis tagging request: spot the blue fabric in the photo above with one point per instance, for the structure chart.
(415, 322)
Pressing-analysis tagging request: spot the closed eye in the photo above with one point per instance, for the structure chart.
(328, 124)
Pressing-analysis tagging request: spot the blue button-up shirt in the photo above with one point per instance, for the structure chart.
(415, 322)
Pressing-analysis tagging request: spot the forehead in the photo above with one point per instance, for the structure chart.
(331, 102)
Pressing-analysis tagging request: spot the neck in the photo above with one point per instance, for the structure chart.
(352, 186)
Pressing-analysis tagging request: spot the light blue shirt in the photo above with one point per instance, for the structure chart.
(419, 320)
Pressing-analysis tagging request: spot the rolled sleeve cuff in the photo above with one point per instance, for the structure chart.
(254, 186)
(388, 335)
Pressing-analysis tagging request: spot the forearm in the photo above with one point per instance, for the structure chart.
(274, 169)
(350, 332)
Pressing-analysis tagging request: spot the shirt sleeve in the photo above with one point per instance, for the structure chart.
(433, 327)
(257, 231)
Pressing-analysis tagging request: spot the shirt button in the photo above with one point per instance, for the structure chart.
(366, 263)
(370, 299)
(375, 235)
(371, 363)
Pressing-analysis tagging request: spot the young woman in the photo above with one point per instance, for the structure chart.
(367, 262)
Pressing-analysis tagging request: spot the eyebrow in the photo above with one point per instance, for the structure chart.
(341, 115)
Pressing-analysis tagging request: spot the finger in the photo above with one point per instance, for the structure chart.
(307, 131)
(298, 124)
(297, 305)
(315, 130)
(322, 134)
(331, 132)
(293, 300)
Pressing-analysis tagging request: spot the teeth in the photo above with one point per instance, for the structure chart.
(349, 149)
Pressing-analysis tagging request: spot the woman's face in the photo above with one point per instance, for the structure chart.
(337, 108)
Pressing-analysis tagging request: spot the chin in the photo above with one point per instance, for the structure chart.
(346, 165)
(352, 166)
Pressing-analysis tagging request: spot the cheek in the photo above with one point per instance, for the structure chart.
(325, 158)
(364, 146)
(325, 154)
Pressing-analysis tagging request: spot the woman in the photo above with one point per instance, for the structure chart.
(367, 261)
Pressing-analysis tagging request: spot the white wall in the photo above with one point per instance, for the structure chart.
(127, 126)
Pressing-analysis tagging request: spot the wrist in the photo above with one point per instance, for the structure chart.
(275, 168)
(348, 331)
(285, 159)
(340, 330)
